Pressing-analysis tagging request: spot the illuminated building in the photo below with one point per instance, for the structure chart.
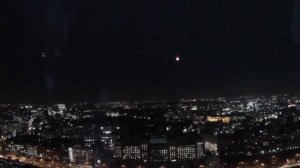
(31, 151)
(172, 153)
(144, 152)
(10, 128)
(78, 154)
(186, 152)
(113, 114)
(218, 119)
(71, 155)
(89, 141)
(118, 152)
(158, 150)
(200, 150)
(61, 108)
(108, 141)
(211, 143)
(17, 148)
(131, 152)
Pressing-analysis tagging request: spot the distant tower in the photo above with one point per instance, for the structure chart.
(61, 109)
(71, 155)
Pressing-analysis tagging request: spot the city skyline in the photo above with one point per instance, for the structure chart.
(239, 132)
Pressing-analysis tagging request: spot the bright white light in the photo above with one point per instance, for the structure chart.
(177, 58)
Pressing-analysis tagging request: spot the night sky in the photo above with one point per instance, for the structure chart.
(100, 50)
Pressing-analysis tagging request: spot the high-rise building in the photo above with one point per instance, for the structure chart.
(186, 152)
(144, 152)
(172, 153)
(118, 152)
(200, 150)
(131, 152)
(158, 149)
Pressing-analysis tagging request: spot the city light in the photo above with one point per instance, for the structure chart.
(184, 136)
